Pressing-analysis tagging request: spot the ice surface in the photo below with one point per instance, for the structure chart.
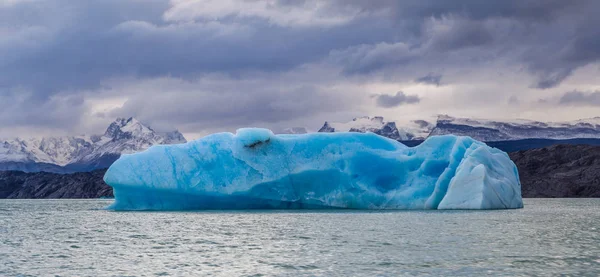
(256, 169)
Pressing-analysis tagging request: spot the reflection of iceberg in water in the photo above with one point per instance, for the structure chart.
(256, 169)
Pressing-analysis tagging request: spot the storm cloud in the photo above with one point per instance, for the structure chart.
(70, 66)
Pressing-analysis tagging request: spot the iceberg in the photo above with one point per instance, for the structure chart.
(255, 169)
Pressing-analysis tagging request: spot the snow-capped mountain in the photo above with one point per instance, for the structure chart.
(82, 153)
(480, 129)
(490, 130)
(368, 124)
(126, 136)
(417, 129)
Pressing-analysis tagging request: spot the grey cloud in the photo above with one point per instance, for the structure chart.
(23, 109)
(116, 38)
(586, 46)
(580, 98)
(459, 34)
(553, 78)
(391, 101)
(513, 100)
(580, 50)
(532, 10)
(550, 38)
(430, 79)
(219, 103)
(57, 51)
(365, 59)
(59, 48)
(94, 40)
(543, 101)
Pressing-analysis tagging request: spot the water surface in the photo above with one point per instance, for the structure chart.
(78, 238)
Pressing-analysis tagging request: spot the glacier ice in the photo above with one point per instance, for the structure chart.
(255, 169)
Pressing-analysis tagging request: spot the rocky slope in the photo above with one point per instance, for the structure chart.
(18, 184)
(555, 171)
(82, 153)
(559, 171)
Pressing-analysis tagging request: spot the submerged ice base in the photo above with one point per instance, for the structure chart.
(255, 169)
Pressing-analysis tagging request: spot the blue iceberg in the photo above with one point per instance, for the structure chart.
(255, 169)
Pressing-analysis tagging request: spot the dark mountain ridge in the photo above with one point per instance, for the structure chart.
(559, 171)
(37, 185)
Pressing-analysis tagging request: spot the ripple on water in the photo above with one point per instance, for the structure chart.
(548, 237)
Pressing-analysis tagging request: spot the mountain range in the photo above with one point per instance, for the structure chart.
(490, 130)
(87, 153)
(82, 153)
(554, 171)
(545, 168)
(480, 129)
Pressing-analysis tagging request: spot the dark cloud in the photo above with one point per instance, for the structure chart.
(430, 79)
(223, 103)
(550, 38)
(92, 41)
(553, 78)
(55, 54)
(364, 59)
(95, 40)
(391, 101)
(21, 108)
(580, 49)
(58, 48)
(580, 98)
(459, 34)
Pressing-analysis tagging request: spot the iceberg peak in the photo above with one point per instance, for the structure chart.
(252, 137)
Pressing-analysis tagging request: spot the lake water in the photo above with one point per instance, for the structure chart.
(78, 238)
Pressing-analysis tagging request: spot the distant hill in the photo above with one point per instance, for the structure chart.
(559, 171)
(18, 184)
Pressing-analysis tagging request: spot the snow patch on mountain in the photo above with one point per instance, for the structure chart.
(126, 136)
(53, 150)
(418, 129)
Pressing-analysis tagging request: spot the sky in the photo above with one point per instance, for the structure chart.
(204, 66)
